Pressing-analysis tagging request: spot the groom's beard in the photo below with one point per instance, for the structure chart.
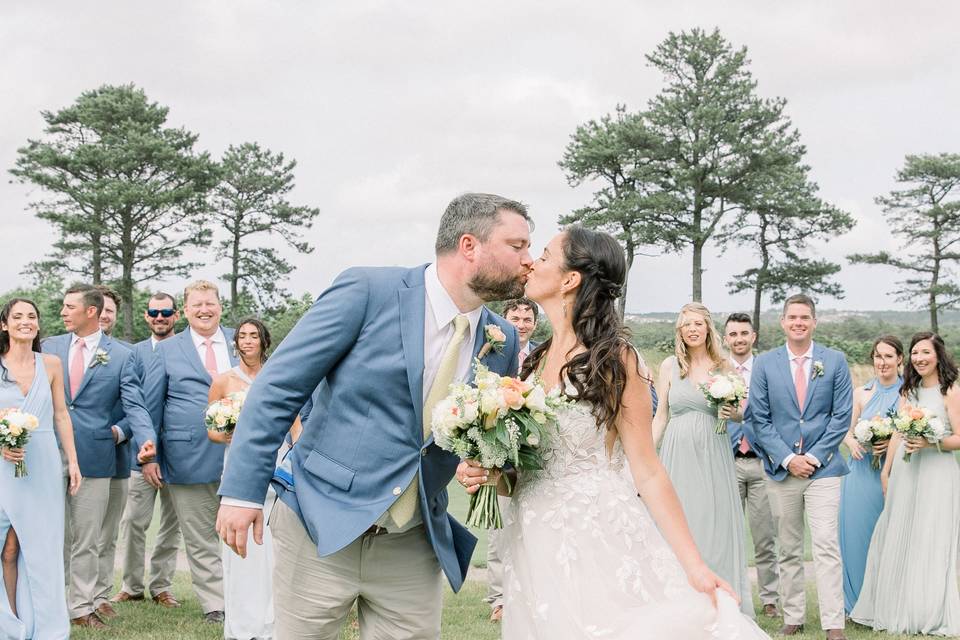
(496, 284)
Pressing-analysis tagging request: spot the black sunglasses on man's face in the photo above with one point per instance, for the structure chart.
(166, 313)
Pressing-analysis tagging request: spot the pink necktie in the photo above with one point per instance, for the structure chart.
(744, 445)
(800, 381)
(522, 357)
(210, 359)
(76, 368)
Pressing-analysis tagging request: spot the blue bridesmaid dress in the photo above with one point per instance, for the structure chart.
(861, 499)
(33, 506)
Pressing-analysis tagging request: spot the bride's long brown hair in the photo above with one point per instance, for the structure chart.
(598, 374)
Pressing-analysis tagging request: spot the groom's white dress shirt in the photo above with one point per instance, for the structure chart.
(808, 373)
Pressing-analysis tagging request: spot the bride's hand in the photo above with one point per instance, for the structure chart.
(471, 475)
(706, 581)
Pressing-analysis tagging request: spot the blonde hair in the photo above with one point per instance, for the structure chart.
(199, 285)
(712, 343)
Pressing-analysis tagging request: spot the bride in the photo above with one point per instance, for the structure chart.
(584, 556)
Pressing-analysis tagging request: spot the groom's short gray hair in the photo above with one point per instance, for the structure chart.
(476, 214)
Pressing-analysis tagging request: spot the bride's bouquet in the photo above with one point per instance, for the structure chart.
(721, 389)
(499, 420)
(15, 429)
(869, 432)
(919, 422)
(222, 414)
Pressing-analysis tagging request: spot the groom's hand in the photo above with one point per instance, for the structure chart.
(233, 524)
(801, 466)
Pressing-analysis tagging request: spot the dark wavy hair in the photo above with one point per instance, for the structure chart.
(265, 341)
(5, 335)
(946, 367)
(891, 341)
(598, 374)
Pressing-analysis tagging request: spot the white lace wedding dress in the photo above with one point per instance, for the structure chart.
(584, 558)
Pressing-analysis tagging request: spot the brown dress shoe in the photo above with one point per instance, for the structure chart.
(835, 634)
(497, 614)
(123, 596)
(770, 610)
(790, 629)
(166, 599)
(106, 611)
(90, 620)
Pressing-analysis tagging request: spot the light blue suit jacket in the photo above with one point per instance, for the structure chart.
(143, 352)
(107, 393)
(777, 427)
(361, 348)
(176, 389)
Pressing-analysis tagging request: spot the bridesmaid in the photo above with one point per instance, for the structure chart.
(247, 582)
(697, 459)
(861, 498)
(32, 507)
(910, 584)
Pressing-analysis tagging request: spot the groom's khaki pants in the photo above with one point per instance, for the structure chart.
(820, 500)
(395, 580)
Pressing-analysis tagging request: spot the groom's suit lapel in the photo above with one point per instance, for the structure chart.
(191, 355)
(106, 345)
(63, 350)
(478, 343)
(412, 309)
(783, 366)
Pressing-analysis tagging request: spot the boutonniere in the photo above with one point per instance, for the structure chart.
(817, 369)
(100, 357)
(495, 339)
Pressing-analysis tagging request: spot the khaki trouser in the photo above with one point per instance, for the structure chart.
(196, 506)
(820, 500)
(394, 578)
(495, 561)
(752, 482)
(137, 516)
(87, 512)
(107, 546)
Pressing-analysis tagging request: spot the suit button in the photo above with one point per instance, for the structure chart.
(423, 453)
(796, 444)
(801, 422)
(397, 491)
(71, 407)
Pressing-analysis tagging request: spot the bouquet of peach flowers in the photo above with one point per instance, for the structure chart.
(15, 429)
(919, 422)
(500, 420)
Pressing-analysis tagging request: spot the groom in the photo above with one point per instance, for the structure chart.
(800, 405)
(365, 520)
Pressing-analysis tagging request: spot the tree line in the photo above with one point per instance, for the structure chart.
(710, 162)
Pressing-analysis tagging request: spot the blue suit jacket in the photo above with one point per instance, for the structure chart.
(777, 427)
(177, 389)
(143, 352)
(119, 418)
(361, 348)
(107, 393)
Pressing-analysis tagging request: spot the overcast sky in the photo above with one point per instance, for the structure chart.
(392, 108)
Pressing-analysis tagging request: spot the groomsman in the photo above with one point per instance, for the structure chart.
(99, 374)
(739, 336)
(161, 315)
(177, 385)
(522, 314)
(799, 410)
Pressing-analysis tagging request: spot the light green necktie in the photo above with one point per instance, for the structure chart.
(402, 510)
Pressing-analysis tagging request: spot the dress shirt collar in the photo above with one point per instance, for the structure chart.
(747, 365)
(91, 340)
(793, 356)
(443, 307)
(216, 338)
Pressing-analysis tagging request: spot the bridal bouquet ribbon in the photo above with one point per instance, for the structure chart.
(15, 429)
(222, 415)
(498, 421)
(724, 389)
(919, 422)
(876, 429)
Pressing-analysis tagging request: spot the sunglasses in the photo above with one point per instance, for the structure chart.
(166, 313)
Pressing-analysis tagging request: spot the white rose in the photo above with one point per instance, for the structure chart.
(536, 400)
(721, 388)
(863, 431)
(533, 439)
(471, 409)
(17, 418)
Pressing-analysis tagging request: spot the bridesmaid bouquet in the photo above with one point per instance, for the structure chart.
(869, 432)
(15, 429)
(919, 422)
(499, 420)
(721, 389)
(222, 415)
